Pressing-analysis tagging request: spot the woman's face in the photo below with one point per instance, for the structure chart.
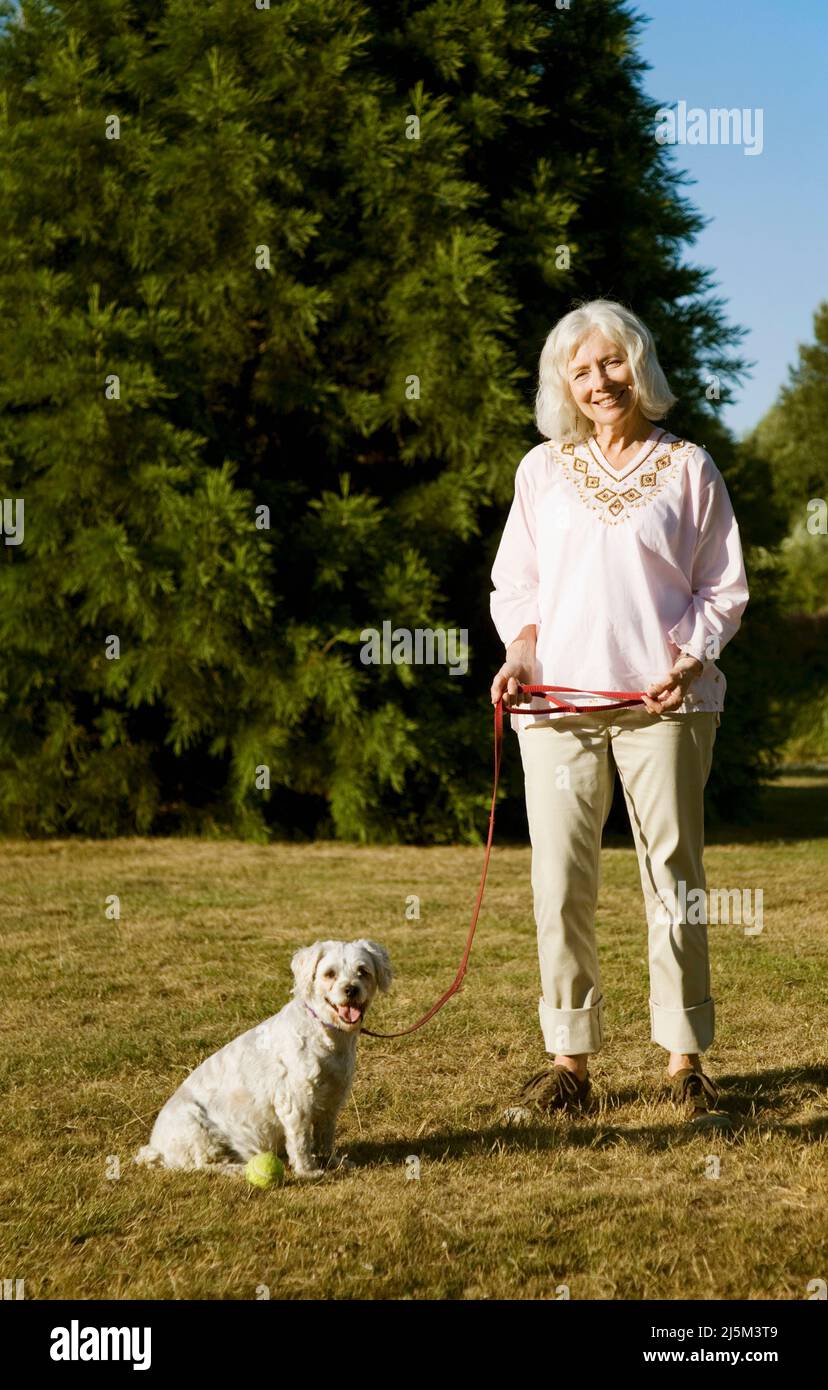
(601, 381)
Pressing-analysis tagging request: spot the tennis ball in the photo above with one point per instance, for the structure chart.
(265, 1170)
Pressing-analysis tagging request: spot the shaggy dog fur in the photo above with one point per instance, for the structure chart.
(279, 1087)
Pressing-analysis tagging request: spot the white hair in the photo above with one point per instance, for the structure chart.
(556, 414)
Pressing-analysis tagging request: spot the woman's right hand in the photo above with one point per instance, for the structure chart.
(506, 681)
(519, 666)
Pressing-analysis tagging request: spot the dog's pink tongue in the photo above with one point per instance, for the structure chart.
(348, 1013)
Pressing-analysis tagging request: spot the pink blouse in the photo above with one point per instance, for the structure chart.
(621, 570)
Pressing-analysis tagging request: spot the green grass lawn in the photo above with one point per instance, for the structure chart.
(102, 1019)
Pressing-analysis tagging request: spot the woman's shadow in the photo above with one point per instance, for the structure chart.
(756, 1101)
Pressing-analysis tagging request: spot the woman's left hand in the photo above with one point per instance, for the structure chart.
(668, 693)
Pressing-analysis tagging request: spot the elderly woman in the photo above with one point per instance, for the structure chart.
(620, 569)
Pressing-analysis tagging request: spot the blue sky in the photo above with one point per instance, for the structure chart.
(767, 244)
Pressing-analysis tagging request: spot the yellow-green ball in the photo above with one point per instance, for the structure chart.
(265, 1170)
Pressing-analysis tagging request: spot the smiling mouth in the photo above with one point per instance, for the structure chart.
(348, 1013)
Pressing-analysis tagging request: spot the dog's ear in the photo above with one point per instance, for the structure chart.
(381, 963)
(304, 965)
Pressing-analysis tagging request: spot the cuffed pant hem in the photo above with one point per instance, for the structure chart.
(683, 1030)
(571, 1031)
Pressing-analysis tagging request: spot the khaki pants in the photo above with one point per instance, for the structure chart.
(569, 768)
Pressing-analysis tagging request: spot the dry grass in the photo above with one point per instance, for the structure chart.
(102, 1019)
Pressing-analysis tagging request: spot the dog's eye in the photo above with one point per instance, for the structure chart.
(362, 971)
(330, 975)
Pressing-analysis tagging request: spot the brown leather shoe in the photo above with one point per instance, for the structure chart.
(555, 1089)
(692, 1091)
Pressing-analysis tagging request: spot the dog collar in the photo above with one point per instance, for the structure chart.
(333, 1026)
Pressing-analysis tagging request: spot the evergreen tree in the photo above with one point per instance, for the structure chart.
(791, 436)
(273, 284)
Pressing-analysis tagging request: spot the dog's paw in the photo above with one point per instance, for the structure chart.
(308, 1174)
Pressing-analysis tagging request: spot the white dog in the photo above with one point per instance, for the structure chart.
(279, 1087)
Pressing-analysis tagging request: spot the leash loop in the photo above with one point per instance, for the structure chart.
(621, 699)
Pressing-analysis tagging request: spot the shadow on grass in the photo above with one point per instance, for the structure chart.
(748, 1105)
(794, 807)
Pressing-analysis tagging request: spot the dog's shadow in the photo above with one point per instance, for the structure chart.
(748, 1104)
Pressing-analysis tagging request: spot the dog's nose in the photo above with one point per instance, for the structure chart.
(352, 991)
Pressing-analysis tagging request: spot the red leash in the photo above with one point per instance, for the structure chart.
(620, 700)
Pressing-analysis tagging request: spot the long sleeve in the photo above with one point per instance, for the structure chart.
(719, 585)
(514, 600)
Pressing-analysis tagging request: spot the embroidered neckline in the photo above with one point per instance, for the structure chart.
(616, 504)
(638, 462)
